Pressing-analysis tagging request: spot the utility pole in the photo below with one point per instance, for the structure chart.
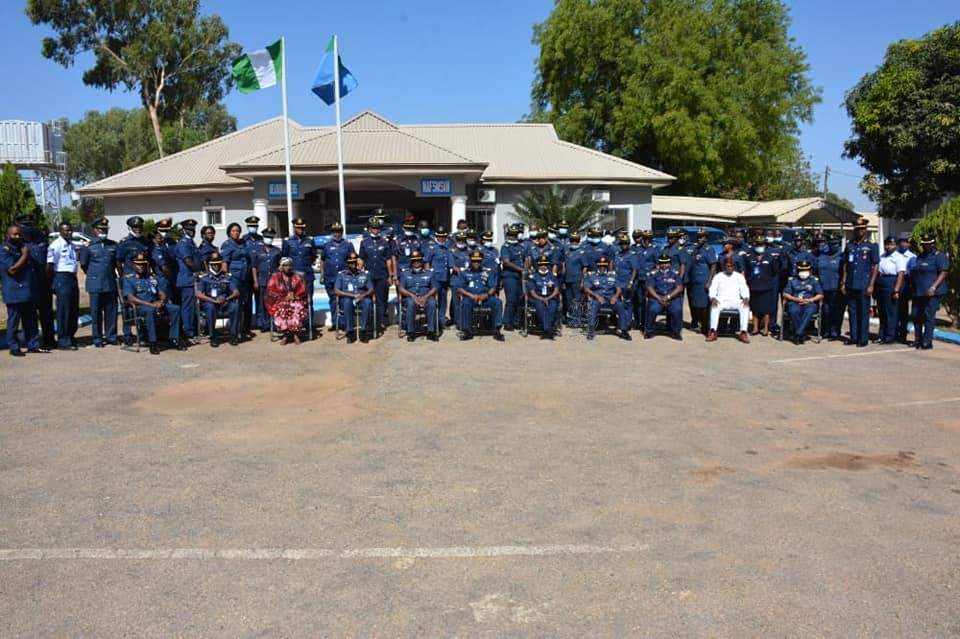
(826, 175)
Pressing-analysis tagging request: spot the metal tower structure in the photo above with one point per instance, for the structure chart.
(36, 151)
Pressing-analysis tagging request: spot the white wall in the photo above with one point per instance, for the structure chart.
(237, 205)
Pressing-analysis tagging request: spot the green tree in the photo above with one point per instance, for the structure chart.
(711, 91)
(548, 206)
(906, 123)
(945, 224)
(173, 58)
(16, 198)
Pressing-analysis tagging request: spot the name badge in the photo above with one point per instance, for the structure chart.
(756, 270)
(214, 291)
(350, 288)
(543, 291)
(851, 257)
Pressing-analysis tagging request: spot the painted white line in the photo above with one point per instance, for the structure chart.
(308, 554)
(928, 402)
(818, 357)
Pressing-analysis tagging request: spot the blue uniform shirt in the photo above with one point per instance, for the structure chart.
(663, 281)
(804, 289)
(516, 254)
(206, 250)
(645, 260)
(266, 259)
(739, 262)
(99, 262)
(593, 252)
(491, 257)
(859, 258)
(623, 263)
(354, 283)
(924, 272)
(303, 252)
(375, 253)
(404, 248)
(438, 256)
(479, 282)
(763, 272)
(699, 261)
(553, 254)
(827, 266)
(144, 288)
(129, 247)
(237, 258)
(573, 265)
(17, 288)
(603, 284)
(186, 249)
(418, 283)
(544, 285)
(215, 285)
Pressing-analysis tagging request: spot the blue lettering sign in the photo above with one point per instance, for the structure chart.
(278, 190)
(436, 187)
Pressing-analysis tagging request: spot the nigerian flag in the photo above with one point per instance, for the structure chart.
(259, 69)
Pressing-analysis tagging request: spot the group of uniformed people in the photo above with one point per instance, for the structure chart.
(551, 271)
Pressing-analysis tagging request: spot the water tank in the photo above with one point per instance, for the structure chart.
(31, 144)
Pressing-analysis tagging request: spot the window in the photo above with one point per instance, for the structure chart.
(213, 216)
(614, 218)
(480, 219)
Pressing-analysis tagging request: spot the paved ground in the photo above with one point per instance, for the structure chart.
(575, 489)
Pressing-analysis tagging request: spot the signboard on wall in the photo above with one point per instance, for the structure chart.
(436, 187)
(277, 190)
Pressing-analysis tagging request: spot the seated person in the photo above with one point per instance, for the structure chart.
(218, 296)
(285, 299)
(142, 290)
(803, 294)
(478, 287)
(419, 288)
(353, 289)
(544, 294)
(729, 292)
(665, 293)
(602, 292)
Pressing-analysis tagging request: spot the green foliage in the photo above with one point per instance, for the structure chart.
(16, 198)
(906, 123)
(173, 58)
(548, 206)
(104, 144)
(945, 223)
(711, 91)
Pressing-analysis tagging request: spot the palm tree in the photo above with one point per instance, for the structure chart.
(547, 207)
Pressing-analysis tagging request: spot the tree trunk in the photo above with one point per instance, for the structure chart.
(155, 120)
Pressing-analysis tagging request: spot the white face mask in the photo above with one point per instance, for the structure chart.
(251, 229)
(135, 233)
(551, 236)
(214, 270)
(268, 241)
(803, 275)
(102, 236)
(488, 244)
(760, 250)
(163, 234)
(408, 233)
(682, 240)
(544, 271)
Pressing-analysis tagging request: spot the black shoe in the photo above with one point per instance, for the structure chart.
(677, 336)
(796, 340)
(42, 349)
(625, 335)
(98, 345)
(214, 343)
(113, 343)
(449, 323)
(411, 338)
(234, 341)
(863, 344)
(351, 337)
(544, 336)
(926, 347)
(154, 350)
(180, 344)
(72, 347)
(466, 336)
(18, 353)
(498, 336)
(364, 337)
(591, 335)
(648, 336)
(433, 337)
(508, 327)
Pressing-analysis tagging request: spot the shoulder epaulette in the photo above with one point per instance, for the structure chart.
(128, 275)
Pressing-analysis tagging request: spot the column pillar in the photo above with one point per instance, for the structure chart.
(260, 209)
(458, 210)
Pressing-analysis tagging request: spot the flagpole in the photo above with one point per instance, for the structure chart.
(336, 98)
(286, 136)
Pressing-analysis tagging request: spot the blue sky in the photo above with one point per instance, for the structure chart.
(425, 61)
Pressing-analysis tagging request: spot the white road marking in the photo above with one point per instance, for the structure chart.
(189, 365)
(299, 554)
(811, 359)
(927, 402)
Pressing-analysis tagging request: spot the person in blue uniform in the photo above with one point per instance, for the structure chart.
(252, 240)
(418, 290)
(264, 262)
(664, 294)
(600, 287)
(99, 263)
(730, 251)
(189, 265)
(18, 281)
(702, 267)
(905, 248)
(860, 260)
(763, 277)
(135, 242)
(777, 253)
(235, 253)
(513, 258)
(377, 257)
(645, 261)
(573, 281)
(405, 245)
(491, 256)
(541, 246)
(675, 250)
(799, 253)
(163, 258)
(802, 294)
(928, 276)
(828, 264)
(62, 266)
(333, 254)
(36, 241)
(459, 263)
(478, 287)
(891, 274)
(141, 289)
(594, 249)
(544, 294)
(624, 265)
(354, 288)
(437, 255)
(219, 296)
(301, 249)
(207, 247)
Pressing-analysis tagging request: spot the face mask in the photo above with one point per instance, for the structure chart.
(268, 241)
(593, 240)
(417, 267)
(513, 242)
(803, 275)
(461, 245)
(163, 234)
(778, 240)
(408, 233)
(760, 250)
(682, 241)
(135, 233)
(102, 236)
(543, 271)
(471, 243)
(551, 236)
(251, 229)
(374, 233)
(214, 270)
(562, 231)
(903, 249)
(425, 232)
(488, 244)
(574, 245)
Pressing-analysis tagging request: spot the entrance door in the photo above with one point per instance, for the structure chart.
(277, 218)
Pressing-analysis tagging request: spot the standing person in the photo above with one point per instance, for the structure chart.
(164, 259)
(544, 292)
(763, 273)
(491, 256)
(264, 262)
(513, 256)
(624, 265)
(18, 281)
(377, 256)
(62, 266)
(664, 294)
(645, 262)
(189, 265)
(302, 251)
(459, 263)
(828, 265)
(891, 273)
(207, 246)
(730, 251)
(237, 257)
(702, 262)
(405, 245)
(36, 241)
(729, 292)
(99, 262)
(333, 253)
(594, 249)
(253, 241)
(929, 278)
(860, 260)
(437, 255)
(906, 294)
(674, 249)
(573, 281)
(802, 294)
